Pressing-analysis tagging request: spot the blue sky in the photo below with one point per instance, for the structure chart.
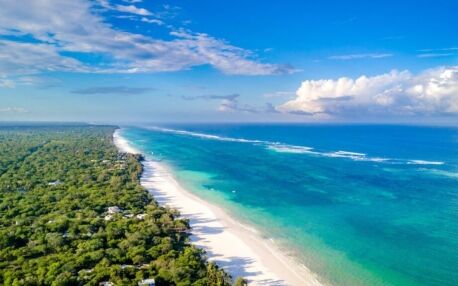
(229, 61)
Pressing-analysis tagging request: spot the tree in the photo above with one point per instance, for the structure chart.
(56, 184)
(240, 281)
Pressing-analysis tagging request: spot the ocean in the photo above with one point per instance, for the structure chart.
(356, 204)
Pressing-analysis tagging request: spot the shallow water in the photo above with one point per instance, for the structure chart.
(359, 205)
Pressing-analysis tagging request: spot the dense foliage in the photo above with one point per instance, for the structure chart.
(56, 187)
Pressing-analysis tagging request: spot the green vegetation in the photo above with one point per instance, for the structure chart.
(56, 187)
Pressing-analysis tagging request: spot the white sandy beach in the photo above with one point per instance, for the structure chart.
(232, 246)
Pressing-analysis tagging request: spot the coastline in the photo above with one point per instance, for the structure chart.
(240, 251)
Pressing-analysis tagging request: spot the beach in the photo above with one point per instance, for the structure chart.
(233, 246)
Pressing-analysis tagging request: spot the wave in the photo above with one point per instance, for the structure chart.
(423, 162)
(284, 148)
(437, 172)
(208, 136)
(355, 156)
(296, 149)
(346, 154)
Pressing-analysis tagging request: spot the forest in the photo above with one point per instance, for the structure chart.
(73, 212)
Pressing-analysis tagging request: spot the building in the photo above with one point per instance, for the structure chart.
(54, 183)
(113, 210)
(147, 282)
(141, 216)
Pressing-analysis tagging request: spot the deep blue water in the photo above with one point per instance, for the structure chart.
(359, 205)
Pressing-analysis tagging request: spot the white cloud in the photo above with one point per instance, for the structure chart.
(133, 9)
(152, 21)
(62, 29)
(6, 83)
(13, 110)
(438, 52)
(125, 8)
(360, 56)
(225, 57)
(27, 58)
(435, 55)
(278, 94)
(432, 92)
(228, 103)
(117, 90)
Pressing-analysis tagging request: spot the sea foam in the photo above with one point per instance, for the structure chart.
(296, 149)
(206, 136)
(423, 162)
(284, 148)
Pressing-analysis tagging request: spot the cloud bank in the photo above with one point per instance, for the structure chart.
(77, 36)
(431, 92)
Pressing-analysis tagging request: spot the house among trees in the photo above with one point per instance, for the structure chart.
(141, 216)
(147, 282)
(42, 225)
(108, 217)
(54, 183)
(113, 210)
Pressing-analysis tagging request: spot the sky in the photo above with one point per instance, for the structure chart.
(128, 61)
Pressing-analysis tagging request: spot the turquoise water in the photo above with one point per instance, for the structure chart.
(359, 205)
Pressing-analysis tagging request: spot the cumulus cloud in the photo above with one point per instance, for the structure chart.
(50, 35)
(432, 92)
(118, 90)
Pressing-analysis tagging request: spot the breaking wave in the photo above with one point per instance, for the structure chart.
(296, 149)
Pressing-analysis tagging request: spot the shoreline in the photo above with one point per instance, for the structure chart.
(228, 243)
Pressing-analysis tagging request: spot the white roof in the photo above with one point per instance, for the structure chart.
(114, 209)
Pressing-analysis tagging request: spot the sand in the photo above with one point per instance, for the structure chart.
(231, 245)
